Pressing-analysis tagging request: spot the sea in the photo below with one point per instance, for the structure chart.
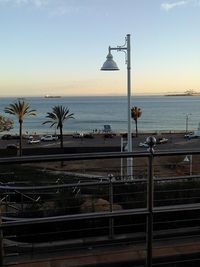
(91, 113)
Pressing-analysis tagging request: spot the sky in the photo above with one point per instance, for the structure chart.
(57, 47)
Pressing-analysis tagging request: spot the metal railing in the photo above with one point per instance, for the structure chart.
(108, 187)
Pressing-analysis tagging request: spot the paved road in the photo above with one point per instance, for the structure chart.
(175, 142)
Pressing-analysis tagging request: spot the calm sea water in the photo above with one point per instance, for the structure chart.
(159, 113)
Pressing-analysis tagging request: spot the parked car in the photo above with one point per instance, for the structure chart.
(143, 144)
(108, 135)
(125, 135)
(33, 141)
(88, 135)
(162, 140)
(17, 137)
(190, 136)
(49, 138)
(12, 146)
(6, 137)
(77, 135)
(27, 136)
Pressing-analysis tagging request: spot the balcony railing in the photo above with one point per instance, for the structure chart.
(56, 203)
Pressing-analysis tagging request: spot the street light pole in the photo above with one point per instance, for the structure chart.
(110, 65)
(129, 92)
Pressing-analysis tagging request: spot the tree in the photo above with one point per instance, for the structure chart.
(20, 109)
(136, 113)
(57, 117)
(6, 124)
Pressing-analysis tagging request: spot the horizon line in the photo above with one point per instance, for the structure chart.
(84, 95)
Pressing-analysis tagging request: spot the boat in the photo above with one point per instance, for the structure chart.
(186, 93)
(52, 96)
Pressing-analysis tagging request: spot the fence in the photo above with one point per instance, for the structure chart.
(63, 209)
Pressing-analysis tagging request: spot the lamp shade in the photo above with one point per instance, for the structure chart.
(109, 64)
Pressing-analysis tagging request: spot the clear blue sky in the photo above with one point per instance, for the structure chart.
(58, 46)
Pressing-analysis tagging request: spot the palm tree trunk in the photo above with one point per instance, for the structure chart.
(61, 138)
(136, 129)
(20, 138)
(61, 144)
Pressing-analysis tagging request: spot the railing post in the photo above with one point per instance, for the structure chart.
(111, 220)
(150, 192)
(1, 240)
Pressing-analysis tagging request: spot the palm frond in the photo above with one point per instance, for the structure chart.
(58, 115)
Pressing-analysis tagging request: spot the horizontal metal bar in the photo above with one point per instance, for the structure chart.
(185, 177)
(97, 215)
(94, 215)
(120, 48)
(173, 208)
(86, 156)
(68, 157)
(60, 186)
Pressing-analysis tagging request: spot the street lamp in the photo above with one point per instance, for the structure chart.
(110, 65)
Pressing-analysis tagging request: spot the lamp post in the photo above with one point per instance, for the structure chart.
(110, 65)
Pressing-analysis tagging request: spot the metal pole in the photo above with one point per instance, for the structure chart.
(187, 121)
(122, 146)
(111, 220)
(186, 130)
(1, 241)
(190, 165)
(127, 48)
(150, 190)
(130, 149)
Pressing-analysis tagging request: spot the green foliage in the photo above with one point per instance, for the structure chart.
(57, 117)
(136, 113)
(20, 109)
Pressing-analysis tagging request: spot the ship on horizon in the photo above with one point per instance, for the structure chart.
(186, 93)
(52, 96)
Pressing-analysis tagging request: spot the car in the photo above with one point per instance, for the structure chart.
(125, 135)
(162, 140)
(88, 135)
(12, 146)
(77, 135)
(27, 137)
(190, 136)
(6, 137)
(108, 135)
(33, 141)
(49, 138)
(17, 137)
(143, 144)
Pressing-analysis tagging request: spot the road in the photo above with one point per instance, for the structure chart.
(175, 142)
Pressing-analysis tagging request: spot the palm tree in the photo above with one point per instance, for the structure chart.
(136, 113)
(57, 117)
(20, 109)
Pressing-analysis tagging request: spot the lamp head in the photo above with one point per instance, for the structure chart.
(109, 64)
